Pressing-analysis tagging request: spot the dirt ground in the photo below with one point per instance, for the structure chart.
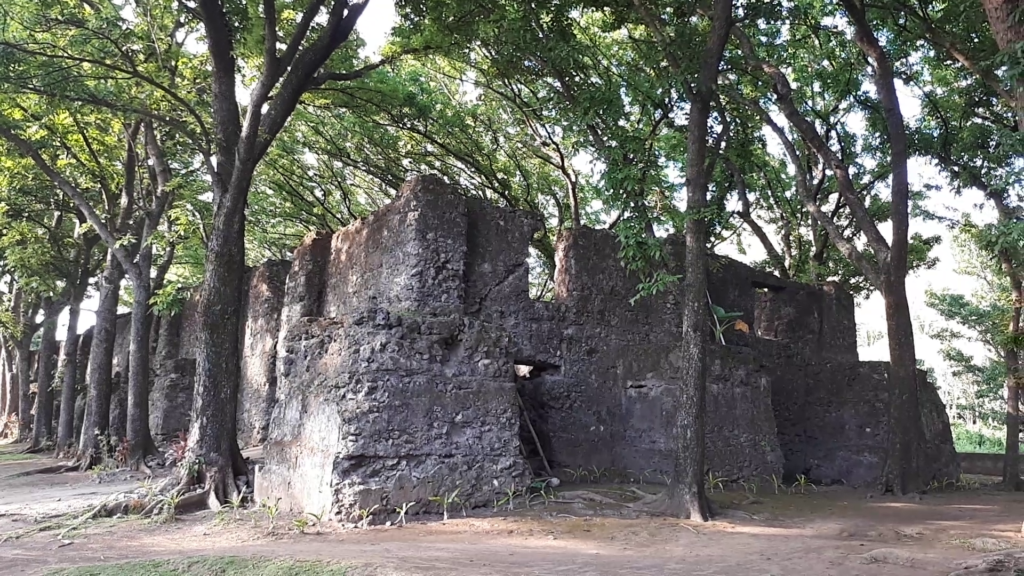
(834, 532)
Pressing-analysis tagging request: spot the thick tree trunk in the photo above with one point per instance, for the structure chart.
(212, 434)
(1011, 459)
(69, 384)
(140, 440)
(101, 360)
(902, 473)
(24, 352)
(42, 428)
(84, 348)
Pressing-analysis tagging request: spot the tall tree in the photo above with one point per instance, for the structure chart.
(886, 265)
(240, 142)
(686, 493)
(967, 128)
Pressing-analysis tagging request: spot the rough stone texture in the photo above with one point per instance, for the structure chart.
(497, 275)
(633, 412)
(383, 408)
(174, 366)
(833, 416)
(261, 324)
(384, 357)
(384, 327)
(408, 255)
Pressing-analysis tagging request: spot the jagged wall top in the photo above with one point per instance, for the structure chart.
(435, 250)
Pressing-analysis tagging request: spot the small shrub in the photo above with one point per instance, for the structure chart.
(318, 519)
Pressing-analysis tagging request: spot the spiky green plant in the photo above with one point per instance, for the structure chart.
(365, 514)
(803, 483)
(402, 510)
(446, 500)
(714, 481)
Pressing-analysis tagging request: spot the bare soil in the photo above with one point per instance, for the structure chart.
(834, 532)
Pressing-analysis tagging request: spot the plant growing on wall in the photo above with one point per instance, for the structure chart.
(724, 320)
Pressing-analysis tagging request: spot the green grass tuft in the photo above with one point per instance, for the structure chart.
(209, 566)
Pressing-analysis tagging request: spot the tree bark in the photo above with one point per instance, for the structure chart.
(1011, 458)
(101, 360)
(24, 354)
(1006, 18)
(140, 440)
(218, 365)
(687, 498)
(42, 428)
(69, 384)
(902, 473)
(11, 407)
(5, 369)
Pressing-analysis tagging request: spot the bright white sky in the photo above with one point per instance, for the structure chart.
(375, 26)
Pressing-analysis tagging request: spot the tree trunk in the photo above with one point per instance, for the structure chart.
(11, 407)
(69, 385)
(140, 440)
(1007, 23)
(901, 474)
(101, 360)
(24, 350)
(42, 428)
(4, 379)
(1011, 459)
(687, 498)
(212, 434)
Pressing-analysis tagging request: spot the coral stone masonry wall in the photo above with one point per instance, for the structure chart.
(380, 366)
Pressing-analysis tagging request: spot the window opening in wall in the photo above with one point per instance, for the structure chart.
(542, 276)
(764, 321)
(532, 430)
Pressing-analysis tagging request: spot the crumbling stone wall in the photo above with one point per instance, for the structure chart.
(384, 356)
(381, 408)
(833, 418)
(261, 325)
(392, 394)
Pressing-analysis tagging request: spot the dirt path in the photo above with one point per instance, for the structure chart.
(838, 532)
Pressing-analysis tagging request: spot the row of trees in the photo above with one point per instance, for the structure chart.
(148, 145)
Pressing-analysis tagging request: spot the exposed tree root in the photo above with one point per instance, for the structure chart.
(585, 496)
(662, 505)
(55, 469)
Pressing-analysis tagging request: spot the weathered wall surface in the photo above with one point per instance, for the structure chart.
(383, 357)
(393, 394)
(983, 464)
(380, 409)
(623, 424)
(118, 423)
(408, 255)
(833, 419)
(261, 325)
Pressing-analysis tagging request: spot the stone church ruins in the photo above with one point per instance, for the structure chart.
(402, 358)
